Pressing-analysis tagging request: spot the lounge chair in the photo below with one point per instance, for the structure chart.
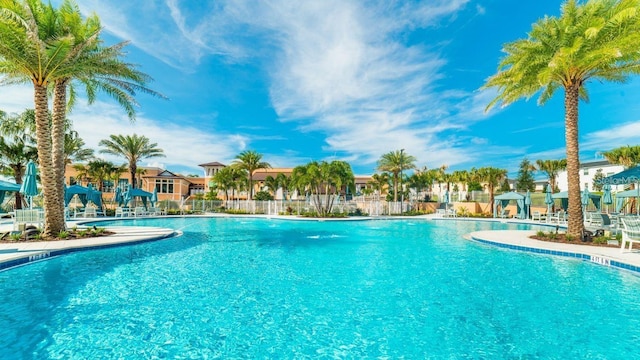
(505, 214)
(630, 232)
(140, 211)
(538, 216)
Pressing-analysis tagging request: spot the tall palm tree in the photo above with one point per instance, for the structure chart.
(551, 168)
(133, 148)
(52, 48)
(592, 40)
(395, 162)
(492, 177)
(250, 161)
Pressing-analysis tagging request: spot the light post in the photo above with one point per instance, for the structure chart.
(401, 175)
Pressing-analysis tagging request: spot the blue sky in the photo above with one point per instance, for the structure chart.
(350, 80)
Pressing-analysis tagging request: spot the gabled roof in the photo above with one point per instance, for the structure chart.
(164, 173)
(214, 163)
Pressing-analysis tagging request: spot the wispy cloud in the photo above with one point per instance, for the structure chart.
(340, 68)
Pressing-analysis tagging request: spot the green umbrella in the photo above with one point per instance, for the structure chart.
(548, 199)
(29, 185)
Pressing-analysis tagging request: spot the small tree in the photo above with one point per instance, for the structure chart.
(524, 181)
(597, 185)
(505, 187)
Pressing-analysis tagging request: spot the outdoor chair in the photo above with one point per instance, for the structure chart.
(505, 214)
(630, 232)
(140, 211)
(27, 217)
(538, 216)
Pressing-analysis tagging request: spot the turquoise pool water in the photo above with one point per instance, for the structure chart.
(239, 288)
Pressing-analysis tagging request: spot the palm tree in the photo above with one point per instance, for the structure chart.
(74, 148)
(323, 180)
(551, 168)
(250, 161)
(492, 177)
(285, 183)
(52, 48)
(379, 182)
(627, 156)
(592, 40)
(133, 148)
(16, 149)
(395, 162)
(271, 183)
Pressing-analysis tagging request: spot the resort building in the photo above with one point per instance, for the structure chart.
(588, 172)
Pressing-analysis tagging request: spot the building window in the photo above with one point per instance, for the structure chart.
(586, 186)
(122, 184)
(164, 186)
(586, 172)
(72, 180)
(107, 186)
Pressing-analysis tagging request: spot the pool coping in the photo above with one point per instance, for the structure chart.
(520, 240)
(21, 253)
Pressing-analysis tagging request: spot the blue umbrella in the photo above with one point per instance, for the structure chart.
(29, 185)
(445, 198)
(154, 197)
(606, 197)
(586, 195)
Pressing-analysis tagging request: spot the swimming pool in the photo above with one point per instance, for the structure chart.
(259, 288)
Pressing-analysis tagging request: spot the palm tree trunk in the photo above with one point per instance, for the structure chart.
(576, 224)
(52, 225)
(132, 172)
(395, 187)
(57, 147)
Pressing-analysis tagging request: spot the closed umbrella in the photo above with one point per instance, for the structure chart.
(29, 185)
(527, 204)
(126, 196)
(118, 197)
(445, 199)
(154, 197)
(586, 195)
(606, 197)
(548, 199)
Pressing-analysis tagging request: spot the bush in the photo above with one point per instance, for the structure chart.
(263, 196)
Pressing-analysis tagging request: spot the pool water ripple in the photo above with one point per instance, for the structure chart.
(232, 288)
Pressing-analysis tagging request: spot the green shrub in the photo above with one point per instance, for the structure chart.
(15, 237)
(263, 196)
(600, 240)
(63, 234)
(541, 234)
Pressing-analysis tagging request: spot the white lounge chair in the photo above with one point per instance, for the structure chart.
(538, 216)
(630, 232)
(140, 211)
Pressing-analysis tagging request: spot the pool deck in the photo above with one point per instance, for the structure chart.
(18, 253)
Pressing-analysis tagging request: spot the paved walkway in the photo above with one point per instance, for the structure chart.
(18, 253)
(520, 240)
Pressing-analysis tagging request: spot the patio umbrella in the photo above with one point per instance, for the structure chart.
(585, 201)
(126, 196)
(445, 198)
(527, 204)
(606, 197)
(548, 199)
(154, 197)
(118, 197)
(29, 185)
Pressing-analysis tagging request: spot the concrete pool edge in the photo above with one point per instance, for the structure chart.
(21, 253)
(520, 240)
